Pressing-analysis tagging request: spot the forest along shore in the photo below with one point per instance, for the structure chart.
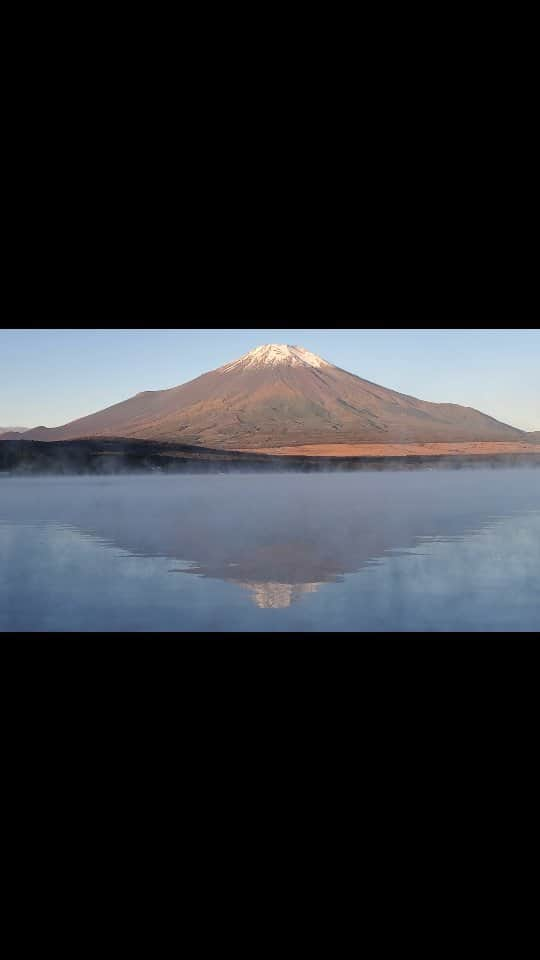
(106, 457)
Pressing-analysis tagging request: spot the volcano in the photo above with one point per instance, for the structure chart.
(282, 396)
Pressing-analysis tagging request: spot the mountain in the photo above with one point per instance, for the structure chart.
(12, 430)
(280, 395)
(11, 435)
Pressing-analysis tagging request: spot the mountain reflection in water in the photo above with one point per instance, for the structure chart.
(278, 596)
(281, 537)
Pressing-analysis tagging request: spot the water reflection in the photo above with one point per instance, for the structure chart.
(277, 574)
(278, 596)
(280, 537)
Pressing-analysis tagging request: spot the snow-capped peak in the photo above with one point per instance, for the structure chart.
(275, 354)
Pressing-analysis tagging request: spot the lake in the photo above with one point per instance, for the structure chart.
(416, 550)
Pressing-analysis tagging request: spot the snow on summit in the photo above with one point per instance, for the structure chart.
(275, 354)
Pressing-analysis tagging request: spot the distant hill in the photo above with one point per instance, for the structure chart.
(13, 430)
(276, 396)
(11, 435)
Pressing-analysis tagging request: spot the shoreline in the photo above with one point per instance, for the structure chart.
(385, 450)
(103, 467)
(108, 457)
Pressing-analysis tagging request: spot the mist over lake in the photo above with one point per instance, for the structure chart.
(426, 549)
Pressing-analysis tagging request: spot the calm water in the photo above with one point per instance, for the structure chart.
(421, 550)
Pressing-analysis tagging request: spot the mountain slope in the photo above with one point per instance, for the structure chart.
(280, 395)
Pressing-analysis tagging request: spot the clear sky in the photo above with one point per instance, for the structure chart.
(49, 377)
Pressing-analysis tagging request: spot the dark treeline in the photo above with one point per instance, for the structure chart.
(116, 456)
(106, 456)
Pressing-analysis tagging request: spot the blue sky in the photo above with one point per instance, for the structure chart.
(50, 377)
